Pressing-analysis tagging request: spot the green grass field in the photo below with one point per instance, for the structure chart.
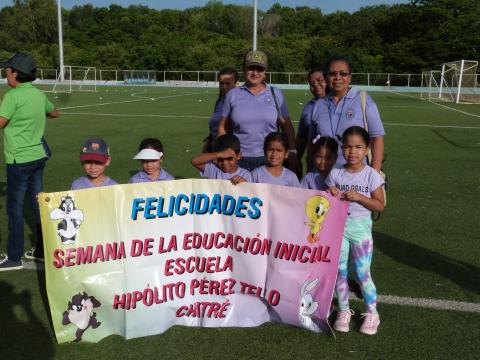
(426, 242)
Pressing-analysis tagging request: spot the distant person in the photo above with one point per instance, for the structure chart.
(360, 185)
(342, 108)
(95, 158)
(151, 157)
(254, 110)
(222, 164)
(324, 156)
(227, 80)
(275, 149)
(23, 113)
(318, 86)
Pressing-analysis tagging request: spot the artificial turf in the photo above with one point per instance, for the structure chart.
(425, 242)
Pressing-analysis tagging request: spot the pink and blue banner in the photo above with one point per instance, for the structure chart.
(136, 259)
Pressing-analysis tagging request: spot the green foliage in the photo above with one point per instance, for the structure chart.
(400, 38)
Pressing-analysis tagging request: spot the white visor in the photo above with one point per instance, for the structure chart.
(149, 154)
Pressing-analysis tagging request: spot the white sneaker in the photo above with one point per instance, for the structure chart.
(370, 324)
(343, 320)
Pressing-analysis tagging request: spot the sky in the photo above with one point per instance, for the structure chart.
(327, 6)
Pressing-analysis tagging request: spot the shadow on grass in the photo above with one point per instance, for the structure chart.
(24, 336)
(465, 275)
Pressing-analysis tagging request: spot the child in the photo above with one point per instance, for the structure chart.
(95, 157)
(227, 153)
(151, 156)
(275, 149)
(362, 186)
(324, 152)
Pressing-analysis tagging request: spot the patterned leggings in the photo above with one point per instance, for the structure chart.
(357, 240)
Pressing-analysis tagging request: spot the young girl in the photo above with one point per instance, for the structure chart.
(361, 185)
(151, 156)
(275, 149)
(324, 151)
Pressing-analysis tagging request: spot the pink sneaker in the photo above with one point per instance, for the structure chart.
(343, 320)
(370, 324)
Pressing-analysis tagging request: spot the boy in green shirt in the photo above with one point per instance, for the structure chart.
(23, 114)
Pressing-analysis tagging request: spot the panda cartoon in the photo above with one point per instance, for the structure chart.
(71, 219)
(80, 313)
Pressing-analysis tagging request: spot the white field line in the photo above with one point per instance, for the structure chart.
(294, 121)
(434, 126)
(125, 101)
(441, 105)
(138, 115)
(381, 299)
(435, 304)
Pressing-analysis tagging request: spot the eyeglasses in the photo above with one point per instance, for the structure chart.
(225, 82)
(335, 73)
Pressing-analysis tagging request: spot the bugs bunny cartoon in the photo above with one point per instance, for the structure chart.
(308, 306)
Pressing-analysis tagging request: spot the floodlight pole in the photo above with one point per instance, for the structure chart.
(60, 40)
(254, 24)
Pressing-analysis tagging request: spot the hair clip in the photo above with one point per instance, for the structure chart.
(316, 139)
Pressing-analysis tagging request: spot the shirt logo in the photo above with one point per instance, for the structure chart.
(350, 113)
(268, 100)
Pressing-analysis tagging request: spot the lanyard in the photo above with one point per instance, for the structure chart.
(334, 134)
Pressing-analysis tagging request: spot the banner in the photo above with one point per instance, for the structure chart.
(136, 259)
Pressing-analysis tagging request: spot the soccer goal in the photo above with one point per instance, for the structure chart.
(139, 77)
(457, 81)
(75, 78)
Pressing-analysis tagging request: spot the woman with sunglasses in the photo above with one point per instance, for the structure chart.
(227, 80)
(342, 108)
(253, 111)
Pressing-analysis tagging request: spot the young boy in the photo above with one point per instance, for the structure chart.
(95, 157)
(227, 153)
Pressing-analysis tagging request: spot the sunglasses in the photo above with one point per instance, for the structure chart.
(335, 73)
(226, 82)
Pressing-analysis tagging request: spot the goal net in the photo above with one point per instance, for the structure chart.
(75, 78)
(457, 81)
(139, 77)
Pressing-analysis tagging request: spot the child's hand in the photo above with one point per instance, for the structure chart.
(237, 179)
(227, 153)
(333, 190)
(351, 195)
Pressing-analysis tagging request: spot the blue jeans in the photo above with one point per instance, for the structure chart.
(249, 163)
(23, 179)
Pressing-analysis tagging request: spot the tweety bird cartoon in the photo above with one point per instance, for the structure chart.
(316, 209)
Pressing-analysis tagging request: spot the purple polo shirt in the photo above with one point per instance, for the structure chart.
(331, 119)
(364, 182)
(85, 183)
(313, 180)
(287, 178)
(253, 116)
(142, 176)
(215, 118)
(306, 119)
(212, 171)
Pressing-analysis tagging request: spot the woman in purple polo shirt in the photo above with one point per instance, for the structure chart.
(250, 112)
(227, 80)
(342, 108)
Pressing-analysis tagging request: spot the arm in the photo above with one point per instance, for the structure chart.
(3, 122)
(223, 126)
(286, 124)
(199, 161)
(53, 114)
(300, 145)
(378, 146)
(373, 204)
